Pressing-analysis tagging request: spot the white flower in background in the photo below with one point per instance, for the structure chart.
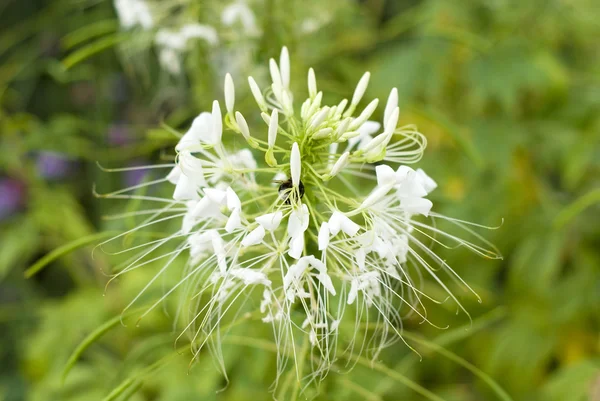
(239, 12)
(317, 243)
(134, 13)
(173, 44)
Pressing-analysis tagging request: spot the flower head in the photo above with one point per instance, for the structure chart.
(284, 217)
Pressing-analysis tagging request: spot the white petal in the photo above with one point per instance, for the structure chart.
(284, 67)
(200, 131)
(250, 276)
(361, 87)
(189, 221)
(254, 237)
(233, 201)
(229, 93)
(375, 196)
(296, 246)
(382, 247)
(349, 227)
(391, 104)
(218, 196)
(334, 325)
(339, 221)
(324, 278)
(294, 272)
(243, 159)
(416, 205)
(174, 175)
(270, 221)
(298, 221)
(219, 248)
(369, 128)
(360, 259)
(403, 173)
(426, 181)
(316, 263)
(234, 221)
(280, 176)
(411, 187)
(191, 168)
(185, 189)
(217, 120)
(312, 337)
(273, 126)
(200, 243)
(295, 165)
(335, 223)
(323, 239)
(385, 175)
(353, 291)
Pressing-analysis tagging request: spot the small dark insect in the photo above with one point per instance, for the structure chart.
(285, 189)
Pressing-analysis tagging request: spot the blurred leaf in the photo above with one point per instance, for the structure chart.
(573, 383)
(88, 32)
(87, 51)
(89, 340)
(63, 250)
(19, 241)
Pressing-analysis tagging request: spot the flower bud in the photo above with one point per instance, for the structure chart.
(256, 92)
(295, 165)
(229, 93)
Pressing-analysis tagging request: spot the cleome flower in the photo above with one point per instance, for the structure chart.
(286, 217)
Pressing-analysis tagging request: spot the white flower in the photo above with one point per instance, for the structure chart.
(133, 13)
(339, 221)
(240, 11)
(297, 224)
(173, 44)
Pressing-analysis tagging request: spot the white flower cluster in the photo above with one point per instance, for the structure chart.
(312, 243)
(172, 44)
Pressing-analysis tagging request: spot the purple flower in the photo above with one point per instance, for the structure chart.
(135, 177)
(52, 165)
(12, 196)
(119, 135)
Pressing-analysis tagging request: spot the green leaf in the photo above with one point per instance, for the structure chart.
(63, 250)
(502, 395)
(93, 48)
(88, 32)
(89, 340)
(574, 209)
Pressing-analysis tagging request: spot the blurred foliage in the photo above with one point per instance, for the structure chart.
(507, 93)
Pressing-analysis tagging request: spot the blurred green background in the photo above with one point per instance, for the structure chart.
(507, 93)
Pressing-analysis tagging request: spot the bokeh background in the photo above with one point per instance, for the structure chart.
(507, 93)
